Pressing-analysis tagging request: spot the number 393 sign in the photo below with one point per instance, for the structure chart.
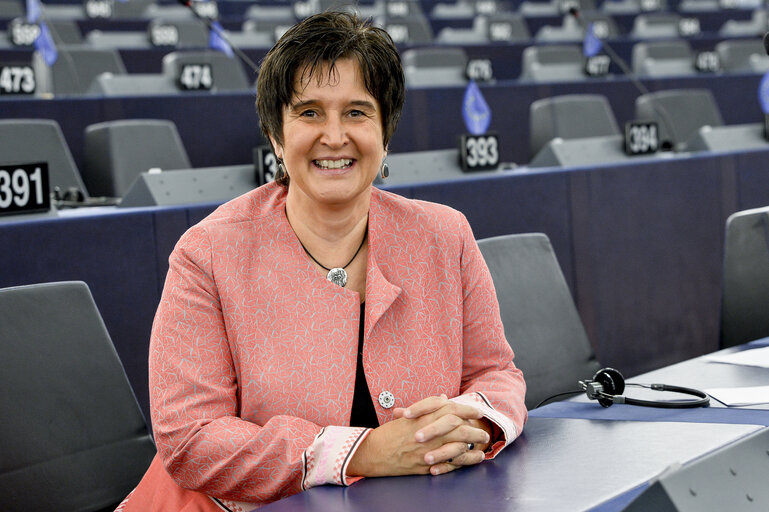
(479, 152)
(24, 188)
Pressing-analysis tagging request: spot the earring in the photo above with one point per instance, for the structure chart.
(281, 171)
(385, 171)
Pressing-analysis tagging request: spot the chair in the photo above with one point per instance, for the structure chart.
(412, 30)
(663, 58)
(227, 72)
(552, 63)
(11, 9)
(65, 32)
(655, 26)
(117, 152)
(118, 40)
(434, 67)
(742, 56)
(40, 140)
(72, 436)
(680, 113)
(193, 33)
(426, 166)
(73, 73)
(541, 322)
(571, 116)
(744, 315)
(756, 25)
(569, 31)
(134, 84)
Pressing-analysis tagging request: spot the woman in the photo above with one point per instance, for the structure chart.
(311, 331)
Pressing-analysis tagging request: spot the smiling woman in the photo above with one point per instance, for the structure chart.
(318, 330)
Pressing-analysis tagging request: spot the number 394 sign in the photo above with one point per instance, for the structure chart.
(24, 188)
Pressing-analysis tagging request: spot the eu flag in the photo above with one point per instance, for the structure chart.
(216, 41)
(475, 110)
(592, 44)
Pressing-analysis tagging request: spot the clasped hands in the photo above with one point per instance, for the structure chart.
(430, 436)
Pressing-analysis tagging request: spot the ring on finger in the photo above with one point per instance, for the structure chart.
(470, 446)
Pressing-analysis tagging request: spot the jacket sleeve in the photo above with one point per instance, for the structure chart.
(203, 443)
(490, 380)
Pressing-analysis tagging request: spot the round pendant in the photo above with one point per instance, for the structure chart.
(338, 276)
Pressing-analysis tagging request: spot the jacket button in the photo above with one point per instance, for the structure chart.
(386, 399)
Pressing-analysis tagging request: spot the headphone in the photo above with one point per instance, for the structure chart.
(607, 386)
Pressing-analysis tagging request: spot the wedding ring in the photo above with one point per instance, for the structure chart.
(470, 446)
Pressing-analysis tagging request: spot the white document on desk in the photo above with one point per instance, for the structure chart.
(737, 397)
(751, 357)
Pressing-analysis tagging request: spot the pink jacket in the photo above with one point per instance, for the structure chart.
(253, 352)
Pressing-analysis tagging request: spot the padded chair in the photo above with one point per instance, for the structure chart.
(11, 9)
(118, 40)
(742, 56)
(572, 116)
(65, 32)
(455, 10)
(656, 25)
(134, 84)
(434, 67)
(117, 152)
(569, 31)
(680, 113)
(72, 437)
(621, 7)
(40, 140)
(552, 63)
(755, 26)
(73, 74)
(193, 33)
(698, 6)
(412, 30)
(227, 72)
(663, 58)
(744, 315)
(541, 322)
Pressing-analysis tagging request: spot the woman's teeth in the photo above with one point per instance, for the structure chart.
(333, 164)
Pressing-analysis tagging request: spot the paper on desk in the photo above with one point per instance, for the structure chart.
(736, 397)
(751, 357)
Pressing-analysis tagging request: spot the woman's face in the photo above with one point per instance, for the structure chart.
(332, 136)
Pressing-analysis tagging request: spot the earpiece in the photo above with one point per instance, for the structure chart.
(608, 384)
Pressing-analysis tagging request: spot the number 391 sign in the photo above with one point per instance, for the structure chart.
(24, 188)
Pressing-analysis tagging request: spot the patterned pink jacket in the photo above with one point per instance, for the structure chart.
(253, 353)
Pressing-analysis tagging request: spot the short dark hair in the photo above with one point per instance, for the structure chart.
(323, 39)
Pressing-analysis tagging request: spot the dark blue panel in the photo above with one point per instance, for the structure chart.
(752, 179)
(114, 254)
(648, 247)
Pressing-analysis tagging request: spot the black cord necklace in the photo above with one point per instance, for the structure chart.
(338, 275)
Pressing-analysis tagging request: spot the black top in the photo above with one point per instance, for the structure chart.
(363, 412)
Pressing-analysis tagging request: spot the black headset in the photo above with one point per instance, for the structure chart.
(607, 386)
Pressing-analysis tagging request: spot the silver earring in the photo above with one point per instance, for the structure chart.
(281, 171)
(385, 170)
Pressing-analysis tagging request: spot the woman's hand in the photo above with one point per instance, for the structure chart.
(431, 436)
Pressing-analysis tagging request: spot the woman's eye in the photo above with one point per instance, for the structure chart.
(356, 113)
(309, 113)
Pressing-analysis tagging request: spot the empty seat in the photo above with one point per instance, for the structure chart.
(698, 6)
(65, 32)
(552, 63)
(40, 140)
(118, 39)
(538, 313)
(434, 67)
(744, 315)
(746, 56)
(680, 113)
(72, 437)
(280, 13)
(455, 10)
(655, 25)
(11, 9)
(663, 58)
(413, 30)
(570, 30)
(756, 25)
(621, 6)
(228, 74)
(192, 33)
(74, 73)
(571, 116)
(117, 152)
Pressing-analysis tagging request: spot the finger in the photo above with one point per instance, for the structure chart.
(469, 458)
(398, 412)
(448, 424)
(452, 452)
(442, 468)
(425, 406)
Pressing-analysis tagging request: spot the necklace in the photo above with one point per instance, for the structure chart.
(338, 275)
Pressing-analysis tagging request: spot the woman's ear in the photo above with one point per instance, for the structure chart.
(276, 148)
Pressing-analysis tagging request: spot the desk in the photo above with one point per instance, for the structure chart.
(571, 456)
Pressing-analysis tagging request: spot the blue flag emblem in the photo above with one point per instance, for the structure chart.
(475, 110)
(763, 93)
(45, 45)
(34, 10)
(216, 41)
(592, 44)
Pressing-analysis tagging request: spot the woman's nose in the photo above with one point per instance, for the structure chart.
(334, 133)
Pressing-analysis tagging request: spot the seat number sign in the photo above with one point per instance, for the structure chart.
(23, 33)
(641, 137)
(24, 188)
(164, 35)
(196, 77)
(96, 9)
(479, 152)
(17, 80)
